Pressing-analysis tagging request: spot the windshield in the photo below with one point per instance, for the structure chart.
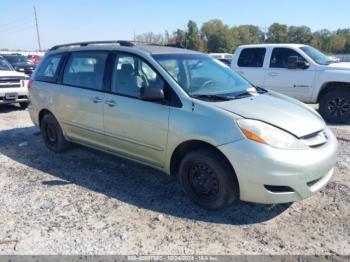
(4, 65)
(202, 75)
(316, 55)
(17, 59)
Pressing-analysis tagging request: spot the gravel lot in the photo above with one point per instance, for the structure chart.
(89, 202)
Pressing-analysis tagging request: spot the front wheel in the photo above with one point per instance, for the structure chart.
(53, 135)
(207, 179)
(335, 106)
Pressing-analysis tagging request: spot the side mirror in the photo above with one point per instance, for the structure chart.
(293, 62)
(151, 93)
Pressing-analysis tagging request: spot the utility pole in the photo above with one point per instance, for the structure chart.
(37, 28)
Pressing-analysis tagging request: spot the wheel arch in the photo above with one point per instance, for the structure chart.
(332, 85)
(42, 113)
(187, 146)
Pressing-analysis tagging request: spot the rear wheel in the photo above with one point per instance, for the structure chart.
(53, 135)
(207, 179)
(335, 106)
(24, 105)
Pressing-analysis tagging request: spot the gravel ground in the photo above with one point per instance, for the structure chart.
(87, 202)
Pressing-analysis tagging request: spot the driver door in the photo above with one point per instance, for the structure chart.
(296, 83)
(134, 127)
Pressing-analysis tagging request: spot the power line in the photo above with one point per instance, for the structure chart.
(15, 28)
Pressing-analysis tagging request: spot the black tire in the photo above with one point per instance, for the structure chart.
(53, 135)
(335, 106)
(24, 105)
(207, 179)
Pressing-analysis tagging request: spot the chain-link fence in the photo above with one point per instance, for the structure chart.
(344, 57)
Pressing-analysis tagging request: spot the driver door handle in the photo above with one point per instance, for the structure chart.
(273, 74)
(111, 103)
(96, 100)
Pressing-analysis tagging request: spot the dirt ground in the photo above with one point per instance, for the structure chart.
(87, 202)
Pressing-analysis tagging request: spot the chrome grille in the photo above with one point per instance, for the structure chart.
(8, 82)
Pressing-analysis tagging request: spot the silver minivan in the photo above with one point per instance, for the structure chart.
(186, 114)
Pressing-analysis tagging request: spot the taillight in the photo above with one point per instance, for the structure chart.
(30, 82)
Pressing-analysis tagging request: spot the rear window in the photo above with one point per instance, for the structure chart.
(85, 69)
(48, 70)
(252, 57)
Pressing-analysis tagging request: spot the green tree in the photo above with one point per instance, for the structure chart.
(193, 38)
(248, 34)
(321, 40)
(277, 33)
(337, 43)
(346, 34)
(299, 34)
(178, 38)
(218, 36)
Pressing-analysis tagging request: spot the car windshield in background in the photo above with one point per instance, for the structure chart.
(316, 55)
(14, 59)
(202, 76)
(4, 65)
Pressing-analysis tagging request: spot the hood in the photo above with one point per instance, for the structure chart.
(278, 110)
(24, 65)
(339, 66)
(4, 73)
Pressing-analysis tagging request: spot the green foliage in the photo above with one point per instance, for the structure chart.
(277, 33)
(216, 37)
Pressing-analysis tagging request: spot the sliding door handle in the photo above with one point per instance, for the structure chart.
(111, 103)
(96, 100)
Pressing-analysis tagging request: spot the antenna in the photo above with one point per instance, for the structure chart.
(37, 28)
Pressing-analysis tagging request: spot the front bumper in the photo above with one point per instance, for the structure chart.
(22, 95)
(260, 167)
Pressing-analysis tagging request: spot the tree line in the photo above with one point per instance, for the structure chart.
(216, 37)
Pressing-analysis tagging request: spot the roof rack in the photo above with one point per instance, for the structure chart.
(119, 42)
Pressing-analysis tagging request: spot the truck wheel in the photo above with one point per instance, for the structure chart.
(24, 105)
(207, 179)
(53, 135)
(335, 106)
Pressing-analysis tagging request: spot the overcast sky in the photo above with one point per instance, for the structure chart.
(79, 20)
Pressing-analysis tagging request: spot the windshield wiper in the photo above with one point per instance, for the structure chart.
(260, 90)
(212, 97)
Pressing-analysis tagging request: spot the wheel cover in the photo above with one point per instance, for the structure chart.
(203, 181)
(339, 106)
(51, 133)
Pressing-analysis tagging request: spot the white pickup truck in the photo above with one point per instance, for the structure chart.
(299, 71)
(13, 85)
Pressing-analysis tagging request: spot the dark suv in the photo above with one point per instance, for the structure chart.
(20, 63)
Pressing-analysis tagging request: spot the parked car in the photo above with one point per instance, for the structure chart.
(182, 112)
(299, 71)
(13, 85)
(20, 63)
(35, 59)
(223, 57)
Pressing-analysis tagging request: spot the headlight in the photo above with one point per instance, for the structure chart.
(269, 135)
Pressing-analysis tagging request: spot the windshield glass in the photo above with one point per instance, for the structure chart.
(316, 55)
(202, 75)
(4, 65)
(16, 59)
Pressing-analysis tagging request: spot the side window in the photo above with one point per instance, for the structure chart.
(172, 67)
(131, 73)
(85, 69)
(48, 70)
(252, 57)
(279, 57)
